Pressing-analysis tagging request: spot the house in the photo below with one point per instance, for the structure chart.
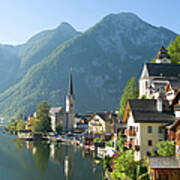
(58, 117)
(172, 89)
(81, 121)
(174, 128)
(145, 119)
(156, 76)
(167, 168)
(100, 123)
(29, 123)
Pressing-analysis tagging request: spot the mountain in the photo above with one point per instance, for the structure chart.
(103, 58)
(43, 44)
(9, 64)
(16, 60)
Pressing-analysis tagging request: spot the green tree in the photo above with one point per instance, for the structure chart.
(20, 125)
(12, 125)
(41, 155)
(110, 143)
(131, 91)
(42, 122)
(124, 166)
(120, 143)
(97, 139)
(153, 60)
(174, 50)
(166, 148)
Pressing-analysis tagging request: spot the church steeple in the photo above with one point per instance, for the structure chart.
(163, 56)
(70, 106)
(70, 90)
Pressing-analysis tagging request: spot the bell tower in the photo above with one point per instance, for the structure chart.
(163, 56)
(70, 106)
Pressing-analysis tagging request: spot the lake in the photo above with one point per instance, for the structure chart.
(20, 160)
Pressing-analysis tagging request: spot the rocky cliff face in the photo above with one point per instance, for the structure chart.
(103, 58)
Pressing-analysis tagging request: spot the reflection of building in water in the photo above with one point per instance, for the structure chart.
(29, 144)
(34, 150)
(66, 166)
(56, 153)
(68, 162)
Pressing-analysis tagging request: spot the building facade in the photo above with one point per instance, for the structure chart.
(57, 115)
(145, 125)
(156, 76)
(100, 123)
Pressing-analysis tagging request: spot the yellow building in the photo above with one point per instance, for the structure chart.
(29, 123)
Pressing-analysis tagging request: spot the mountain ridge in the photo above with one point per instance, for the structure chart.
(103, 58)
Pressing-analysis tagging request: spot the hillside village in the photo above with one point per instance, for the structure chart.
(147, 120)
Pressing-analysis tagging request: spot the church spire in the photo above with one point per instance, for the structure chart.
(163, 56)
(70, 90)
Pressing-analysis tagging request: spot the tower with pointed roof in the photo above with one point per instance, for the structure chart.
(163, 56)
(70, 106)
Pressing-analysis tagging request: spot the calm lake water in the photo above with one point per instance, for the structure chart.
(42, 161)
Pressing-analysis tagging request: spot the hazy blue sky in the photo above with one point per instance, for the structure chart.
(20, 19)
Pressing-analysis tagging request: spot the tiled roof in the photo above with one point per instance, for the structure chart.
(164, 162)
(145, 110)
(175, 84)
(165, 70)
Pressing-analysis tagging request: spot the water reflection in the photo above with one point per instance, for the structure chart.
(41, 152)
(45, 160)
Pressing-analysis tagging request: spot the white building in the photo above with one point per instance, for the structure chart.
(156, 76)
(58, 116)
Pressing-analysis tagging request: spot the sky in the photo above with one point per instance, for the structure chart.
(21, 19)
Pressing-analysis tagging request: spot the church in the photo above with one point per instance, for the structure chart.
(64, 117)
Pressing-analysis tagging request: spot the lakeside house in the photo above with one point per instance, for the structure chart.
(174, 129)
(29, 123)
(145, 120)
(167, 168)
(104, 122)
(156, 118)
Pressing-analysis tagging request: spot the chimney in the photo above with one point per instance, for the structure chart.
(159, 103)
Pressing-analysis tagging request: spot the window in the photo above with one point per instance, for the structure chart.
(160, 130)
(149, 129)
(146, 84)
(149, 142)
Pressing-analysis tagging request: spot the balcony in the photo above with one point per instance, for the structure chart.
(131, 132)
